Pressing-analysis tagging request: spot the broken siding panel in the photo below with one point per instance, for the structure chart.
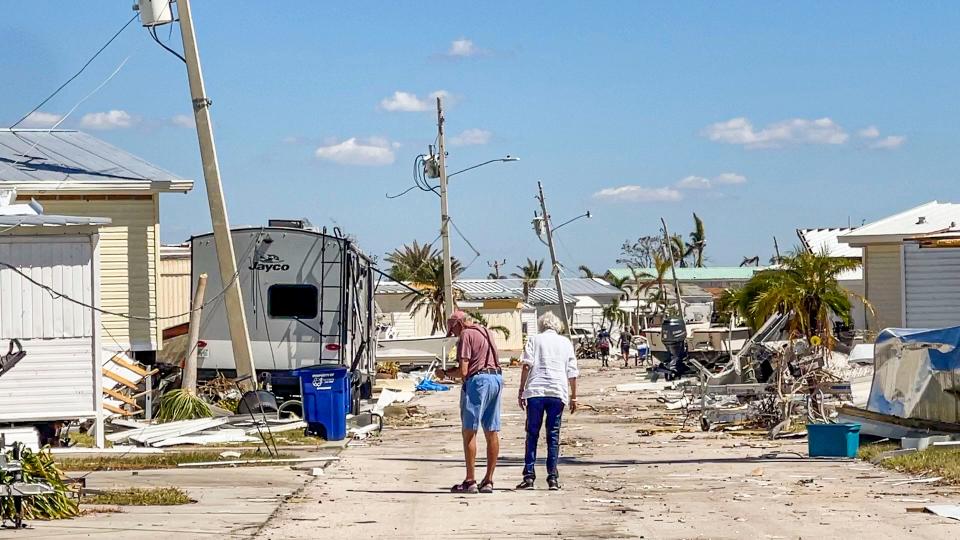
(129, 253)
(932, 286)
(884, 286)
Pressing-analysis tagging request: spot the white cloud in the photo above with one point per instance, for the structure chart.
(407, 102)
(694, 182)
(462, 48)
(889, 142)
(183, 120)
(113, 119)
(730, 178)
(793, 131)
(701, 182)
(40, 119)
(370, 152)
(471, 137)
(632, 193)
(869, 132)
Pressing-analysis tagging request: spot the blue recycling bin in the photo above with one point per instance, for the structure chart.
(325, 391)
(833, 440)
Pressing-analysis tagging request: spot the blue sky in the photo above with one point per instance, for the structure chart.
(759, 117)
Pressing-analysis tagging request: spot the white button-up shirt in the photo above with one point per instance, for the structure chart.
(552, 361)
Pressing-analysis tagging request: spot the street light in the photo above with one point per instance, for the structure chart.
(506, 159)
(587, 215)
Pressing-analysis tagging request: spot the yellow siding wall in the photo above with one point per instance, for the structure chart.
(883, 285)
(129, 270)
(175, 289)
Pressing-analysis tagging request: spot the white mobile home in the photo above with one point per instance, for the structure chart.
(73, 173)
(59, 379)
(911, 282)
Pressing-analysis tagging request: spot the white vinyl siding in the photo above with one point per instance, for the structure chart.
(932, 286)
(129, 257)
(58, 378)
(175, 290)
(884, 286)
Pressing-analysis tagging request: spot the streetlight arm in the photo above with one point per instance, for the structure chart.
(586, 215)
(500, 160)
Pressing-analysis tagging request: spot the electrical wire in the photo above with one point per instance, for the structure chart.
(153, 33)
(57, 294)
(77, 74)
(476, 254)
(420, 180)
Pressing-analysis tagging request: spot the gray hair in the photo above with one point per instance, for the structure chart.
(549, 321)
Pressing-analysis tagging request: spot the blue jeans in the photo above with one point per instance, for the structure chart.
(536, 408)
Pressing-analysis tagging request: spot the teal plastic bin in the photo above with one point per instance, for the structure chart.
(833, 440)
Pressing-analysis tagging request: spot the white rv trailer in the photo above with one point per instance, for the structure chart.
(308, 298)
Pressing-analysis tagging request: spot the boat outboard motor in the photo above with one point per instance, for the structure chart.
(673, 332)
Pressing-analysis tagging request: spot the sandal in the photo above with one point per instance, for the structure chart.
(468, 486)
(486, 486)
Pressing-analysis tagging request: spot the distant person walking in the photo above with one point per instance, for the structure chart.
(547, 384)
(626, 341)
(603, 344)
(479, 398)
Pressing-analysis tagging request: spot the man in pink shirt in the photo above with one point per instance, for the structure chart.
(479, 398)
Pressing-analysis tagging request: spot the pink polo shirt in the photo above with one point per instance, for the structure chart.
(477, 348)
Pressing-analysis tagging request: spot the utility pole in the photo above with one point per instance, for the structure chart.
(673, 265)
(496, 267)
(553, 258)
(444, 217)
(236, 318)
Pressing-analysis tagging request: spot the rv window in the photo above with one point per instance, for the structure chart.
(292, 301)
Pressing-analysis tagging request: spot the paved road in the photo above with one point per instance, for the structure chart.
(620, 481)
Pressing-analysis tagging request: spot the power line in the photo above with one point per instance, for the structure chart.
(57, 294)
(77, 74)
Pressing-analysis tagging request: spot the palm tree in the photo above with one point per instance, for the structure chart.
(586, 271)
(751, 261)
(698, 242)
(530, 274)
(680, 250)
(805, 284)
(614, 314)
(423, 265)
(503, 330)
(406, 262)
(660, 299)
(431, 298)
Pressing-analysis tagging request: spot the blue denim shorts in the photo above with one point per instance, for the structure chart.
(480, 402)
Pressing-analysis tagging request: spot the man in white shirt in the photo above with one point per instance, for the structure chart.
(547, 384)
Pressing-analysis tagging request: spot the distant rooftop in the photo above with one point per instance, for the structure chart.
(65, 160)
(932, 217)
(817, 240)
(712, 273)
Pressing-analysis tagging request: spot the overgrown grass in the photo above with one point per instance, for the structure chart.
(159, 496)
(150, 461)
(933, 461)
(870, 452)
(82, 440)
(297, 437)
(943, 461)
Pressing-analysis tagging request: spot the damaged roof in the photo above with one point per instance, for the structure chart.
(40, 160)
(932, 217)
(818, 240)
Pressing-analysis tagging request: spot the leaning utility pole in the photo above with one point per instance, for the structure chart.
(236, 318)
(673, 265)
(444, 217)
(553, 258)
